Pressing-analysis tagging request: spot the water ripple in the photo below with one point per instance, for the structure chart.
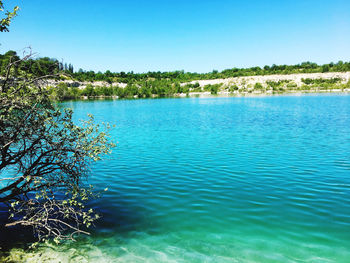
(223, 180)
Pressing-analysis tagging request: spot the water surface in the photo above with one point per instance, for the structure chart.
(264, 179)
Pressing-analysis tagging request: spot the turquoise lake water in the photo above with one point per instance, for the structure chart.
(259, 179)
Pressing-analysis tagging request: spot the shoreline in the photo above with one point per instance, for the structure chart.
(219, 95)
(231, 87)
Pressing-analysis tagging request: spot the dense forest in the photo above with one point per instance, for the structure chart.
(47, 66)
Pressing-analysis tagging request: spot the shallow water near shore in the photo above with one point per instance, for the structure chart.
(261, 179)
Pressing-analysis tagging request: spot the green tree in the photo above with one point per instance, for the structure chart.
(258, 86)
(88, 91)
(8, 16)
(44, 160)
(325, 68)
(61, 91)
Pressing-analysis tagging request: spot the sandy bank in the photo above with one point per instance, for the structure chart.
(252, 80)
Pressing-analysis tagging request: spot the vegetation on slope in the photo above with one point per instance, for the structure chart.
(162, 84)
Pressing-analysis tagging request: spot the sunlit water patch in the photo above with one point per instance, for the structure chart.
(220, 180)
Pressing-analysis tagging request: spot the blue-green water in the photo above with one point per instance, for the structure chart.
(264, 179)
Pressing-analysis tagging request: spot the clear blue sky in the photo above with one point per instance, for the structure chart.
(196, 36)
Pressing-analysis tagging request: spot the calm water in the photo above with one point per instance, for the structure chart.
(263, 179)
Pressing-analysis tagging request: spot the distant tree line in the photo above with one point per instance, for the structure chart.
(182, 76)
(38, 67)
(48, 66)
